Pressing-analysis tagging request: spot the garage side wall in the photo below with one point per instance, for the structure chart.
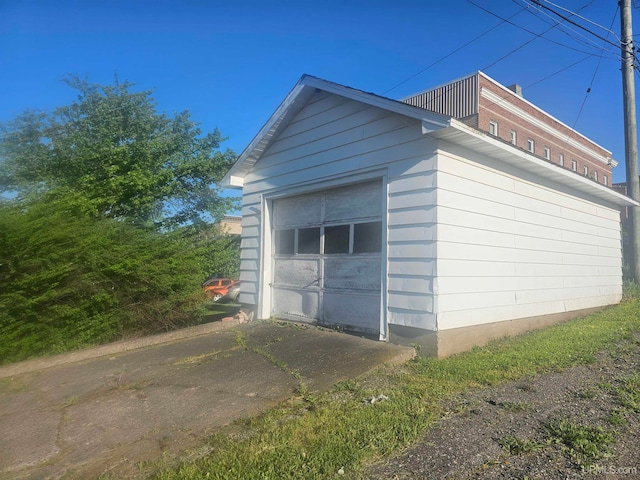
(513, 246)
(332, 142)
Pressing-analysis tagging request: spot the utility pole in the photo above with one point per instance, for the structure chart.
(630, 134)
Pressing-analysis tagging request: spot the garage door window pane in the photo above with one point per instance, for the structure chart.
(285, 242)
(309, 240)
(336, 239)
(367, 237)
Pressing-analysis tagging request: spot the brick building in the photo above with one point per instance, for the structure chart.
(482, 103)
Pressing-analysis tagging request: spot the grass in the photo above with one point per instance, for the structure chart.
(217, 311)
(586, 444)
(343, 433)
(518, 446)
(629, 393)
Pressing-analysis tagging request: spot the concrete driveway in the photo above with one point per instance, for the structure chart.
(103, 411)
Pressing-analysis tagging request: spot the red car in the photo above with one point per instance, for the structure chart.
(219, 287)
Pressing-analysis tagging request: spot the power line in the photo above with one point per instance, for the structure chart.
(567, 19)
(594, 74)
(511, 52)
(565, 29)
(532, 32)
(536, 36)
(451, 53)
(608, 30)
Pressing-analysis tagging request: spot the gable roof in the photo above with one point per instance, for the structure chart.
(438, 125)
(297, 99)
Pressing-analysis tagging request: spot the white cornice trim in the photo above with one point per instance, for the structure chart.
(511, 108)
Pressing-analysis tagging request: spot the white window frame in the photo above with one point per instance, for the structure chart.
(531, 145)
(585, 171)
(595, 175)
(514, 137)
(547, 153)
(561, 159)
(493, 128)
(605, 180)
(574, 165)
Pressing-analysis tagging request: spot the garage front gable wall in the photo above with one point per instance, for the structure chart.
(336, 142)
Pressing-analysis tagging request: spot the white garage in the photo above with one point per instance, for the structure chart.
(327, 256)
(378, 216)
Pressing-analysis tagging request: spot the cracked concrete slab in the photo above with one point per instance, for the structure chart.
(105, 414)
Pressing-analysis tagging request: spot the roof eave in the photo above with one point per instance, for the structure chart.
(295, 101)
(461, 134)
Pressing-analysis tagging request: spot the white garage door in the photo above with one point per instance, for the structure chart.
(327, 257)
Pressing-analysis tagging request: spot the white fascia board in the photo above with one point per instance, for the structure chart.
(434, 120)
(234, 181)
(235, 175)
(461, 134)
(296, 99)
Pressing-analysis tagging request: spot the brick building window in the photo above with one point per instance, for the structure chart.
(547, 153)
(514, 137)
(605, 180)
(595, 175)
(561, 159)
(585, 170)
(531, 146)
(574, 165)
(493, 128)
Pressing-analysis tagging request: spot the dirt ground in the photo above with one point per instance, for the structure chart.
(507, 432)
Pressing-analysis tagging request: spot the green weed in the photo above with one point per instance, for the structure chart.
(586, 444)
(346, 385)
(70, 401)
(518, 446)
(618, 417)
(515, 406)
(586, 394)
(629, 393)
(241, 339)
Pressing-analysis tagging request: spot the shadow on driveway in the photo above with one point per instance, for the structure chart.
(104, 410)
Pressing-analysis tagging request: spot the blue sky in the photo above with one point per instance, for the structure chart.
(231, 63)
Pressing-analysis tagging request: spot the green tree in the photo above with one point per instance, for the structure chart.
(79, 264)
(127, 161)
(219, 252)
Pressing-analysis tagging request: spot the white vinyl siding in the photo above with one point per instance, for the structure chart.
(334, 141)
(466, 239)
(510, 248)
(411, 248)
